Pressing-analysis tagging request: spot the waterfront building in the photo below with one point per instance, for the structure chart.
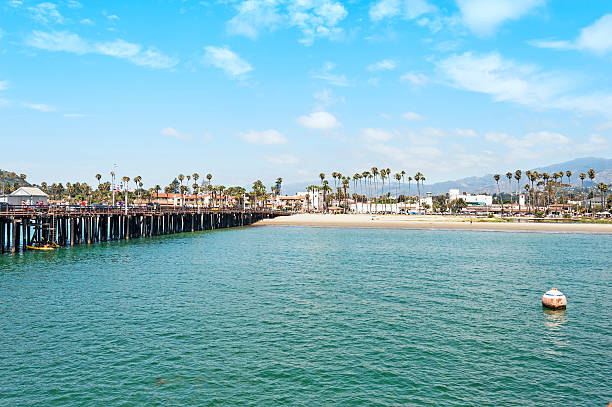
(471, 200)
(25, 196)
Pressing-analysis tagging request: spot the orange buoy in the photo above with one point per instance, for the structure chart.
(554, 299)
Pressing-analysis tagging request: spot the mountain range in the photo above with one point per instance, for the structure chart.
(486, 183)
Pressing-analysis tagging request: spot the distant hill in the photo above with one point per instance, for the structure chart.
(8, 177)
(486, 183)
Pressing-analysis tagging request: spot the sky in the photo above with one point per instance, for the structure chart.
(259, 89)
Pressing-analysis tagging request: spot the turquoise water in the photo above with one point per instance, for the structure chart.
(310, 316)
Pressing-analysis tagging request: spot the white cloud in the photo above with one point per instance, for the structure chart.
(412, 116)
(415, 78)
(283, 159)
(270, 136)
(327, 75)
(529, 140)
(46, 12)
(58, 41)
(1, 33)
(87, 21)
(466, 133)
(595, 38)
(384, 65)
(69, 42)
(172, 132)
(319, 121)
(15, 3)
(3, 85)
(4, 102)
(496, 137)
(409, 9)
(254, 15)
(598, 36)
(506, 80)
(376, 135)
(326, 97)
(552, 44)
(74, 4)
(483, 17)
(227, 60)
(604, 126)
(38, 106)
(314, 18)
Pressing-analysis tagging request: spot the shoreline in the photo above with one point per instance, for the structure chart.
(428, 222)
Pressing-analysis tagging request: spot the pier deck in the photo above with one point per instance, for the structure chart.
(22, 226)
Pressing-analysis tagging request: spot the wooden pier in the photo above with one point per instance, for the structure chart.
(23, 226)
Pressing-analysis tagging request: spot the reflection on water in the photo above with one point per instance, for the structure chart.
(554, 321)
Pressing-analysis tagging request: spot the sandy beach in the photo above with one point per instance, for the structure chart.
(428, 222)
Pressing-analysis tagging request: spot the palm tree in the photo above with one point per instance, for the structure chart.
(398, 178)
(279, 182)
(604, 192)
(383, 176)
(496, 177)
(125, 182)
(322, 177)
(517, 176)
(137, 181)
(591, 174)
(509, 176)
(326, 189)
(375, 195)
(345, 185)
(366, 176)
(417, 178)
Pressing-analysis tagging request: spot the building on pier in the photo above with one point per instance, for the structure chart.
(25, 196)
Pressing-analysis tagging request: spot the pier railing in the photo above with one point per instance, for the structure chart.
(24, 210)
(30, 227)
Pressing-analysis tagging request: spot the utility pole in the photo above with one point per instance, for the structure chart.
(113, 182)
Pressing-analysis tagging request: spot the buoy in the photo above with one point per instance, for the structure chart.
(554, 299)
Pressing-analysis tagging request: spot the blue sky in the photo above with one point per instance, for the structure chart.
(266, 88)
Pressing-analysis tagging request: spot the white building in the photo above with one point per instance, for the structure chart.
(426, 206)
(25, 196)
(471, 200)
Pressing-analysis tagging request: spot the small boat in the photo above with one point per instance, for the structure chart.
(45, 248)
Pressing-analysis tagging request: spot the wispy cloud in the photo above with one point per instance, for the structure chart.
(315, 19)
(46, 13)
(595, 38)
(227, 60)
(283, 159)
(3, 85)
(172, 132)
(483, 17)
(412, 116)
(409, 9)
(70, 42)
(270, 136)
(330, 77)
(319, 121)
(529, 85)
(466, 133)
(376, 135)
(414, 78)
(38, 106)
(384, 65)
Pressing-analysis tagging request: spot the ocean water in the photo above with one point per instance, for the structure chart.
(306, 316)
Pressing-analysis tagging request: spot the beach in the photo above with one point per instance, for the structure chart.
(430, 222)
